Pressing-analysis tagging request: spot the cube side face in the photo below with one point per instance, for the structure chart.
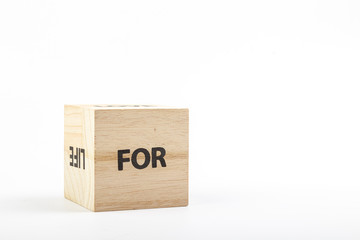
(151, 145)
(79, 155)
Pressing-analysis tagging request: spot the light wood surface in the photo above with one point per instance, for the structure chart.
(79, 184)
(103, 130)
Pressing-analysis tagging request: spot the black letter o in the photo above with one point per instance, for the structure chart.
(134, 158)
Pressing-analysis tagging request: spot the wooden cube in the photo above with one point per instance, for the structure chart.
(120, 157)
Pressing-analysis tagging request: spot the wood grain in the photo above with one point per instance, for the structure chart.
(79, 132)
(105, 129)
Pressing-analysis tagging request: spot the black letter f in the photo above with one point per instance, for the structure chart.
(121, 160)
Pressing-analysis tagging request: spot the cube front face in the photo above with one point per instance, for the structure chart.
(139, 159)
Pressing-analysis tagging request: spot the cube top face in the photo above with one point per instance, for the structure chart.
(126, 157)
(122, 106)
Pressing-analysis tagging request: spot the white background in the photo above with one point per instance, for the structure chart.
(274, 96)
